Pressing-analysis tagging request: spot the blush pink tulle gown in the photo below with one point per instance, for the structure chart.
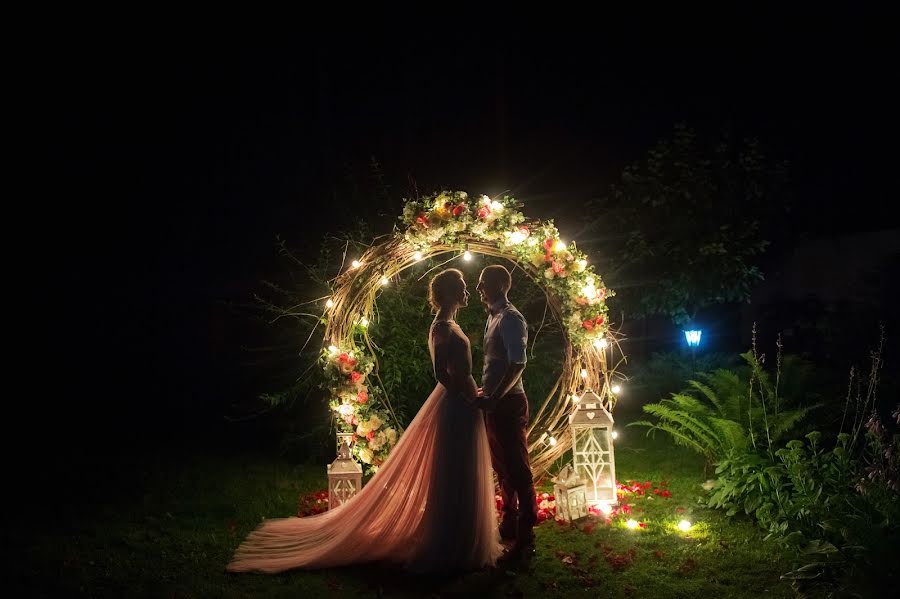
(429, 508)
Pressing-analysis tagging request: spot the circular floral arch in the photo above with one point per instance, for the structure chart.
(453, 224)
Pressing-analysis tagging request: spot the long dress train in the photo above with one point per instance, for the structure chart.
(429, 508)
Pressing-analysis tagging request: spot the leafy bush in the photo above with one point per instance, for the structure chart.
(834, 498)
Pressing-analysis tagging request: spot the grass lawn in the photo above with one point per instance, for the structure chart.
(166, 528)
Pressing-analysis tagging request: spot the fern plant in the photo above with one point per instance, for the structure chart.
(726, 412)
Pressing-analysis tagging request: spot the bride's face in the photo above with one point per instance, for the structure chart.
(464, 300)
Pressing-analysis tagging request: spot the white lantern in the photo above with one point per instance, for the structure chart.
(344, 478)
(571, 496)
(341, 439)
(592, 448)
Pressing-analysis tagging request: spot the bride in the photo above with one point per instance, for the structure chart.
(430, 507)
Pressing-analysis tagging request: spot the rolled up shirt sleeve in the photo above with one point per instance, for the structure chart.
(514, 332)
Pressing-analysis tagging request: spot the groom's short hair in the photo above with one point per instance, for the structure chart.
(497, 275)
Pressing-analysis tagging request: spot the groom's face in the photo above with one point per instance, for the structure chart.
(488, 291)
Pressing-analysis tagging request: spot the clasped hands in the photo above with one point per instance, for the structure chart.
(484, 402)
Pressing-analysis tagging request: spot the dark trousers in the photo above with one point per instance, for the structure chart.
(506, 430)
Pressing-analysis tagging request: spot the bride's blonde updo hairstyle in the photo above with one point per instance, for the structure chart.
(446, 287)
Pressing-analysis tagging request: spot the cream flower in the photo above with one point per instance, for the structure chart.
(390, 435)
(375, 422)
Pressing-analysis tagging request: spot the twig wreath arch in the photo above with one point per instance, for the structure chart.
(452, 223)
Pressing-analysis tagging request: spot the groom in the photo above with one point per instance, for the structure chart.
(506, 408)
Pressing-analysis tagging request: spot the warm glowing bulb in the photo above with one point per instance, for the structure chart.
(385, 280)
(684, 525)
(604, 343)
(632, 524)
(615, 434)
(584, 373)
(616, 389)
(543, 436)
(364, 321)
(329, 303)
(560, 246)
(417, 256)
(552, 441)
(599, 343)
(605, 508)
(355, 264)
(467, 255)
(515, 237)
(575, 399)
(332, 349)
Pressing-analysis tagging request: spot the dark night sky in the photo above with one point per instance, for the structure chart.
(180, 163)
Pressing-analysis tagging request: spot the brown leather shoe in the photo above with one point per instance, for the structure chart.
(518, 555)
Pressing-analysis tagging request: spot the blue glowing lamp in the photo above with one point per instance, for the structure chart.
(693, 337)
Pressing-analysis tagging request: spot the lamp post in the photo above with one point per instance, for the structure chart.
(692, 336)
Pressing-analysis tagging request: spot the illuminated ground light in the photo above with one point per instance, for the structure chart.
(467, 255)
(684, 525)
(605, 508)
(356, 264)
(632, 524)
(417, 256)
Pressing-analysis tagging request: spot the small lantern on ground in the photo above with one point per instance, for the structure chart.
(344, 478)
(592, 448)
(571, 496)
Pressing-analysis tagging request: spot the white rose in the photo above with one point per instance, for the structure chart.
(366, 455)
(549, 274)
